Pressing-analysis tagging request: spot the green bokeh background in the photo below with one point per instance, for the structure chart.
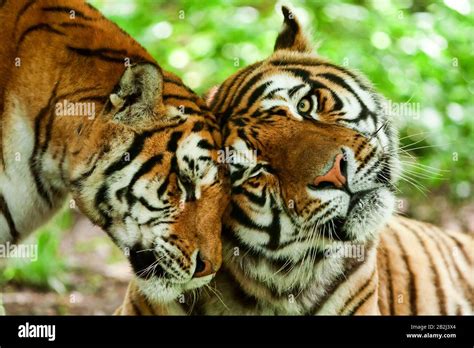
(414, 51)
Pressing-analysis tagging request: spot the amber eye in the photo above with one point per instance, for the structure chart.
(305, 105)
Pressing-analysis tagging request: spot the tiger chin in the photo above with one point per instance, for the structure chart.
(310, 228)
(86, 112)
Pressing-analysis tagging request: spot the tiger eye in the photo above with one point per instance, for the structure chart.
(304, 105)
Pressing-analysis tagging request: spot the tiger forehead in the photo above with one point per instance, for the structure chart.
(315, 76)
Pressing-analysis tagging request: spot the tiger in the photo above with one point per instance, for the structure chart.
(311, 228)
(87, 113)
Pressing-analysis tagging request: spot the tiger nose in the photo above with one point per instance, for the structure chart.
(335, 175)
(203, 267)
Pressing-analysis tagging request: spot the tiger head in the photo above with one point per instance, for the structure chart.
(313, 157)
(147, 173)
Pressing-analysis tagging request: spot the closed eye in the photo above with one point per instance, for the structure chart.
(257, 170)
(239, 176)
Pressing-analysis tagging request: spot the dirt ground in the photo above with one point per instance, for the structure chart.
(97, 285)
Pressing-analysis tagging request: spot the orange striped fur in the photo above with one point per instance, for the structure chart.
(310, 229)
(137, 151)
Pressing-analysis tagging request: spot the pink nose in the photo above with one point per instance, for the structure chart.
(334, 175)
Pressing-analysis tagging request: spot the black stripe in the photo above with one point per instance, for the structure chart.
(149, 305)
(145, 168)
(74, 25)
(164, 186)
(392, 300)
(411, 278)
(102, 196)
(38, 150)
(437, 278)
(61, 165)
(239, 94)
(389, 280)
(180, 84)
(236, 174)
(460, 282)
(98, 53)
(292, 91)
(305, 76)
(249, 251)
(152, 208)
(246, 300)
(364, 300)
(460, 246)
(243, 136)
(350, 267)
(102, 99)
(66, 10)
(136, 307)
(41, 26)
(187, 110)
(367, 159)
(239, 215)
(198, 126)
(25, 7)
(338, 104)
(191, 97)
(104, 54)
(133, 150)
(172, 144)
(256, 258)
(310, 63)
(255, 199)
(441, 250)
(223, 94)
(78, 181)
(257, 92)
(301, 73)
(205, 144)
(356, 294)
(11, 224)
(272, 93)
(365, 112)
(274, 230)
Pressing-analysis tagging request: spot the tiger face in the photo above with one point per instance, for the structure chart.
(315, 156)
(155, 185)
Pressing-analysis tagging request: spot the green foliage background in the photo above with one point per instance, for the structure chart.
(414, 51)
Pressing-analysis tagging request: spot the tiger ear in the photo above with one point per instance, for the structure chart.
(291, 36)
(210, 95)
(138, 96)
